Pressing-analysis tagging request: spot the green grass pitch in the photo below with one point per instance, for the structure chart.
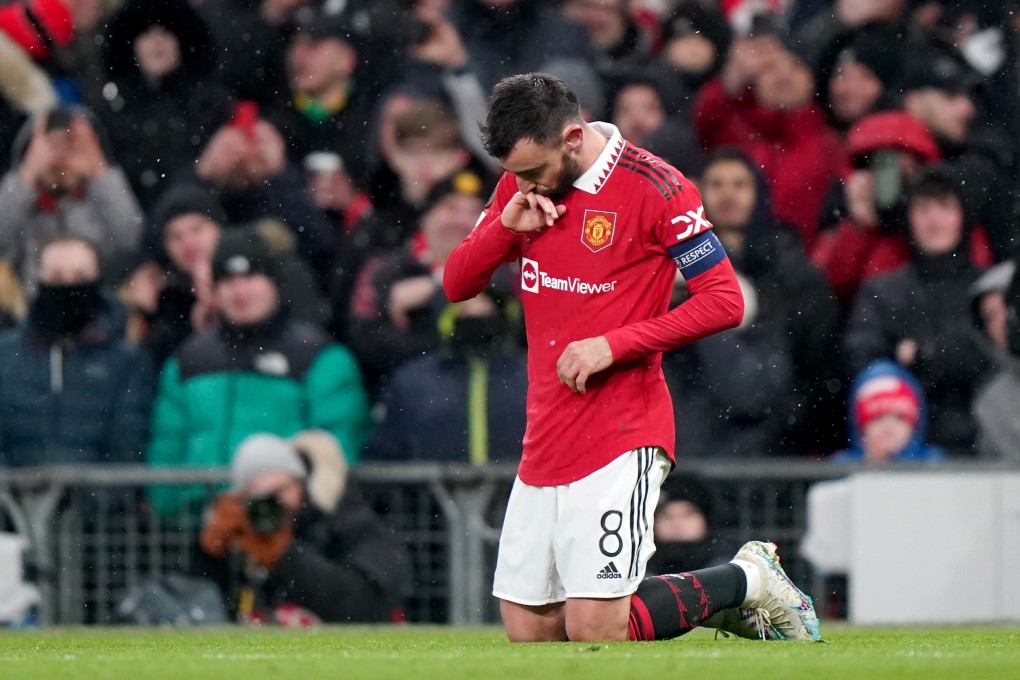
(406, 652)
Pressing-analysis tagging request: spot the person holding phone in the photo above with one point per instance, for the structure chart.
(64, 183)
(244, 168)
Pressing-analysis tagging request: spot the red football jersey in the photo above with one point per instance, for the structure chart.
(606, 267)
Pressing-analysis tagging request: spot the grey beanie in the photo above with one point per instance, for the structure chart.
(261, 453)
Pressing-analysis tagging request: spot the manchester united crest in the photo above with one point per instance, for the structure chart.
(598, 229)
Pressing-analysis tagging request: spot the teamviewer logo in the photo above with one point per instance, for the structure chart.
(529, 275)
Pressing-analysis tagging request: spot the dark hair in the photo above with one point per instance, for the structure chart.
(726, 154)
(532, 106)
(935, 181)
(430, 120)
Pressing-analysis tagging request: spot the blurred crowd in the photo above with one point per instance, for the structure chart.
(227, 218)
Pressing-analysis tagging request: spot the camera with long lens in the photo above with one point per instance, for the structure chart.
(265, 513)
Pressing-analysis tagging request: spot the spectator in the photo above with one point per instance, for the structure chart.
(324, 109)
(25, 90)
(256, 370)
(71, 391)
(939, 89)
(815, 35)
(64, 183)
(504, 37)
(465, 402)
(397, 298)
(421, 146)
(859, 72)
(295, 533)
(439, 68)
(160, 104)
(640, 108)
(887, 418)
(244, 167)
(250, 36)
(620, 43)
(191, 225)
(763, 103)
(996, 297)
(335, 193)
(760, 389)
(885, 151)
(686, 535)
(695, 40)
(918, 315)
(43, 29)
(253, 34)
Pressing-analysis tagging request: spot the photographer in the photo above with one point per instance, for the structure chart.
(294, 542)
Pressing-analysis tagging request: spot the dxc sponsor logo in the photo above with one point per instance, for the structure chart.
(695, 221)
(533, 279)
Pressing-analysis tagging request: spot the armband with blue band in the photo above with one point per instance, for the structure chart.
(697, 255)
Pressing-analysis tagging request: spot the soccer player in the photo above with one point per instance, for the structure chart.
(596, 225)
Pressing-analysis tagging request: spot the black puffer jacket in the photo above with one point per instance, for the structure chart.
(760, 389)
(157, 128)
(927, 302)
(85, 401)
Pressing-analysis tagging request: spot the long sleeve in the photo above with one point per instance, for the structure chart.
(16, 200)
(117, 208)
(129, 428)
(720, 119)
(337, 400)
(715, 304)
(469, 101)
(359, 574)
(866, 337)
(842, 254)
(471, 263)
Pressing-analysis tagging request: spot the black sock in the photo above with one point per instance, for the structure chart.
(667, 606)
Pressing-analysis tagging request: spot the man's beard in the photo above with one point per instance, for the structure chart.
(565, 181)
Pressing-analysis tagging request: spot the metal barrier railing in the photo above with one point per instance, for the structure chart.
(92, 535)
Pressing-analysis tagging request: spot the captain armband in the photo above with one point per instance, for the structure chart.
(697, 255)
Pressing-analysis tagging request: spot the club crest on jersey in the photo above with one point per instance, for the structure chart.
(599, 226)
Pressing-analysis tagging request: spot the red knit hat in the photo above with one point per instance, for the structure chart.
(887, 395)
(22, 22)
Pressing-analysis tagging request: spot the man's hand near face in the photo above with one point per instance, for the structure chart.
(528, 211)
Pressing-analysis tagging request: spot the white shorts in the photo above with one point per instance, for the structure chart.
(591, 538)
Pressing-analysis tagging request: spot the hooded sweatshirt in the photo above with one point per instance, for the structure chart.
(916, 449)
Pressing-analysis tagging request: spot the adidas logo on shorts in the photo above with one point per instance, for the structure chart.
(609, 571)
